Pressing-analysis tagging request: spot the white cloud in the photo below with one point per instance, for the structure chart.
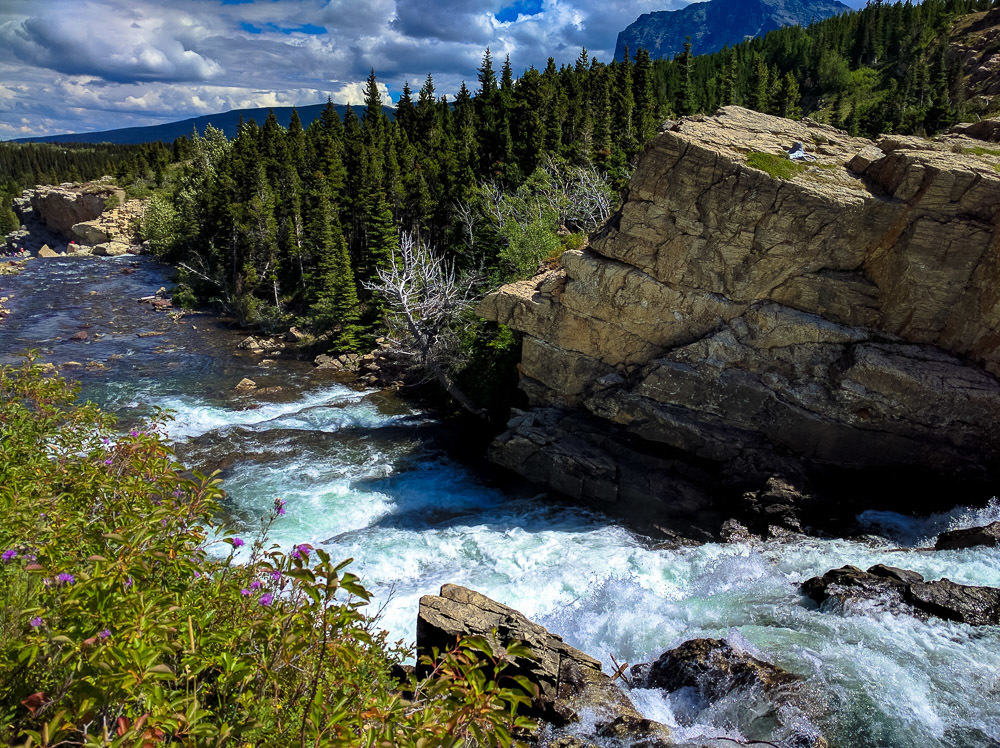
(79, 65)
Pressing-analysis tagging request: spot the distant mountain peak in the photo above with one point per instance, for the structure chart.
(715, 24)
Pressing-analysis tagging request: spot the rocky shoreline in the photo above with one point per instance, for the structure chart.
(580, 706)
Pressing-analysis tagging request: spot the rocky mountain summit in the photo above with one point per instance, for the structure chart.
(715, 24)
(743, 316)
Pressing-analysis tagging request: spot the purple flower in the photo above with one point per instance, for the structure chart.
(133, 433)
(279, 506)
(197, 575)
(177, 493)
(245, 592)
(7, 556)
(106, 634)
(301, 551)
(64, 578)
(36, 622)
(105, 440)
(266, 599)
(163, 522)
(256, 585)
(128, 582)
(108, 461)
(238, 543)
(276, 575)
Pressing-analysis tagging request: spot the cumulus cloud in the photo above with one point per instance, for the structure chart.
(81, 65)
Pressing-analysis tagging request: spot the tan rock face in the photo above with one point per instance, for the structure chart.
(80, 212)
(848, 316)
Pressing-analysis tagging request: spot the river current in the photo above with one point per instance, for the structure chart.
(368, 476)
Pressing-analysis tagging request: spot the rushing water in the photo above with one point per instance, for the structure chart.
(365, 475)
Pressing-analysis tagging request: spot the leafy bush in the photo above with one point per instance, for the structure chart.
(779, 167)
(119, 627)
(528, 245)
(160, 225)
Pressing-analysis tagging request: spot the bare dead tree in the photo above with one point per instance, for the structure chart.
(425, 297)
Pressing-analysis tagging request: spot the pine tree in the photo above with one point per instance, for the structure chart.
(686, 99)
(645, 105)
(335, 298)
(790, 98)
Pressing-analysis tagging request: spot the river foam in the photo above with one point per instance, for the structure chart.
(413, 519)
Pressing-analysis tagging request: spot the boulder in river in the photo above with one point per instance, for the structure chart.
(245, 385)
(770, 699)
(568, 680)
(80, 335)
(970, 537)
(906, 591)
(47, 251)
(110, 249)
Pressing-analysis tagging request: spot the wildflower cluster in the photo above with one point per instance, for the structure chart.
(119, 623)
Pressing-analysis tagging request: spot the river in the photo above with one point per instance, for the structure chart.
(368, 476)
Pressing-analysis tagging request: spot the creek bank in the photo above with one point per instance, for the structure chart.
(904, 591)
(834, 332)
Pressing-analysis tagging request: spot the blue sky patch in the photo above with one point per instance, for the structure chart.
(520, 7)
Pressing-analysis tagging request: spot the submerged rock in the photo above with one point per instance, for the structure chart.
(568, 680)
(906, 591)
(970, 537)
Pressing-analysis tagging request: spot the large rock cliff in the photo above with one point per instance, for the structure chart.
(838, 327)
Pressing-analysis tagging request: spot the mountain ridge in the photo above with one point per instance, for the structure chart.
(715, 24)
(167, 132)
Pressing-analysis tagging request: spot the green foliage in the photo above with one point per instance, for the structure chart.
(8, 218)
(160, 225)
(779, 167)
(527, 245)
(120, 625)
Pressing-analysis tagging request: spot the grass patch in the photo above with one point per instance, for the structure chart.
(980, 151)
(779, 167)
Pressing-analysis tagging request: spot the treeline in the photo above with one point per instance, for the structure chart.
(886, 68)
(291, 225)
(24, 165)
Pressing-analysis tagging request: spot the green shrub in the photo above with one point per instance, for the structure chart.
(529, 245)
(160, 225)
(119, 627)
(779, 167)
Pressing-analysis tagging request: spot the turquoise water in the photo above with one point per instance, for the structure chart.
(365, 476)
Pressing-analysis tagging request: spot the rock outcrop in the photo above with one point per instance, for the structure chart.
(906, 591)
(568, 680)
(62, 207)
(728, 325)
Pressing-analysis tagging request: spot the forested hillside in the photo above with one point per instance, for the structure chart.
(888, 68)
(24, 165)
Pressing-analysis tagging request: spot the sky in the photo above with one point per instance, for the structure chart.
(82, 65)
